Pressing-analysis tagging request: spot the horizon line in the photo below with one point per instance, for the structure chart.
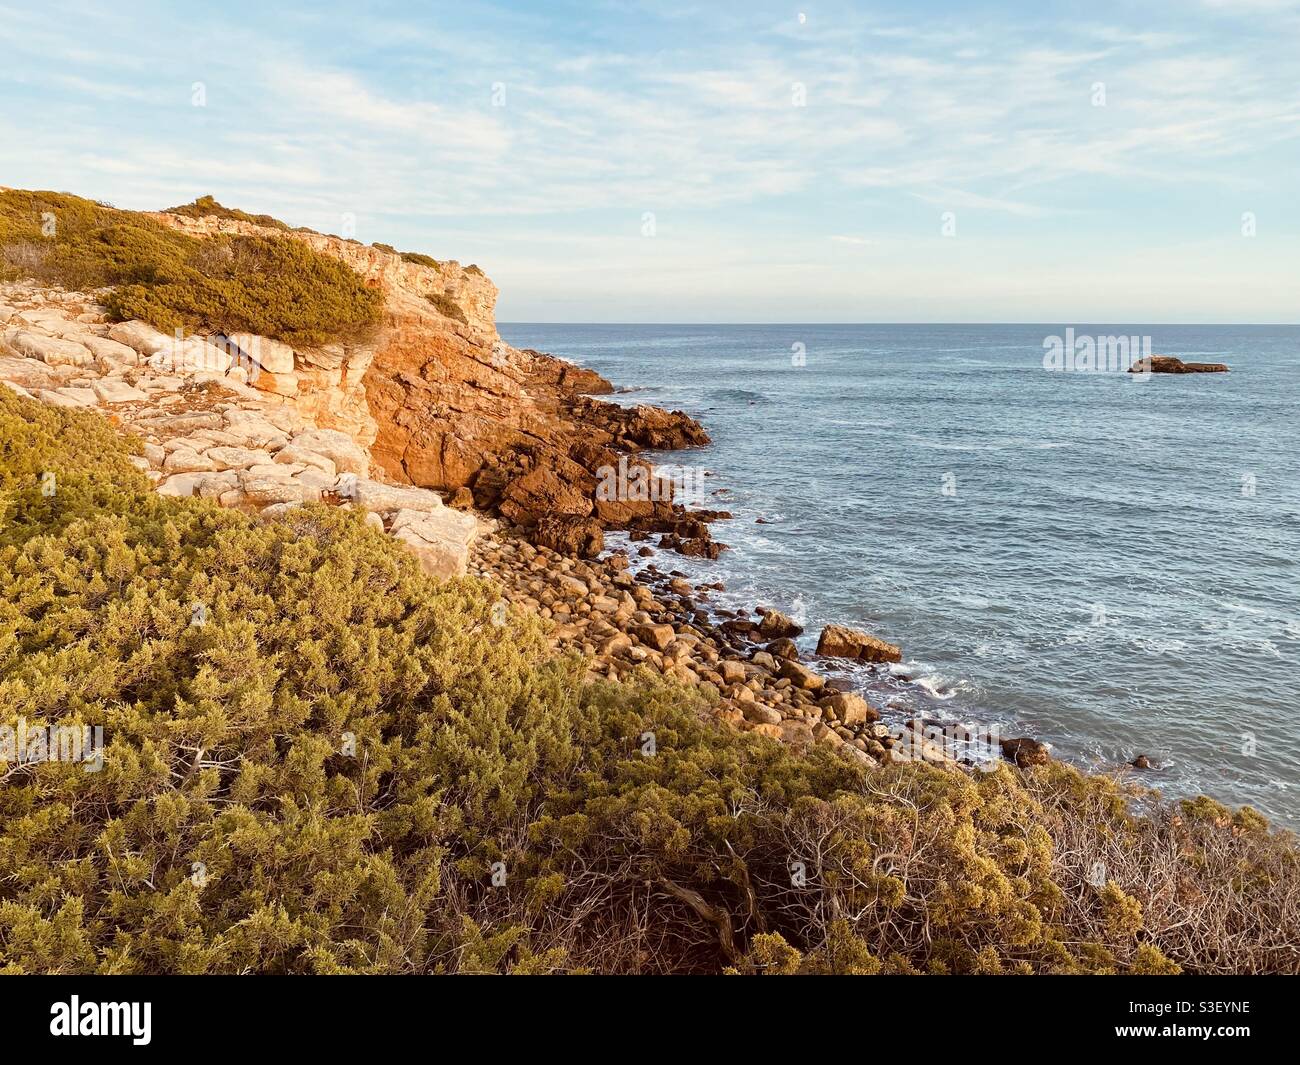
(713, 325)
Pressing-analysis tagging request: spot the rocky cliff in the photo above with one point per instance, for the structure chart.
(441, 402)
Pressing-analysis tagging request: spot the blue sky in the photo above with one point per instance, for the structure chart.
(797, 161)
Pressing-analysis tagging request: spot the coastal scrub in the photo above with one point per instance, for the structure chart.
(274, 286)
(318, 759)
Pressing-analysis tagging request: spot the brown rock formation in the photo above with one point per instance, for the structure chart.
(1025, 752)
(1170, 364)
(839, 641)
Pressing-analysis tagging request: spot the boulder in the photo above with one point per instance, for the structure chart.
(839, 641)
(188, 356)
(84, 397)
(440, 539)
(382, 498)
(253, 429)
(797, 734)
(776, 625)
(656, 636)
(761, 714)
(49, 350)
(28, 373)
(237, 458)
(582, 537)
(111, 356)
(187, 460)
(60, 398)
(799, 674)
(140, 336)
(295, 453)
(849, 709)
(338, 447)
(733, 672)
(112, 391)
(263, 489)
(783, 648)
(1025, 752)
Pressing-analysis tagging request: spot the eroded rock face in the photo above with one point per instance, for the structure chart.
(433, 397)
(204, 432)
(449, 406)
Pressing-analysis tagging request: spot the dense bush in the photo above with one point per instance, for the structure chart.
(348, 767)
(449, 307)
(276, 286)
(420, 259)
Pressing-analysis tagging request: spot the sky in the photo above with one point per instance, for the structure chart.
(727, 162)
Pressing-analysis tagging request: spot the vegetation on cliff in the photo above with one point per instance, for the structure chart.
(208, 207)
(277, 286)
(448, 306)
(319, 760)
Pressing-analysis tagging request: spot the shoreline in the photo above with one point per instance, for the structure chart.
(635, 610)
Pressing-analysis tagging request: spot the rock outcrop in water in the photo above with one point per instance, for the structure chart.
(1170, 364)
(839, 641)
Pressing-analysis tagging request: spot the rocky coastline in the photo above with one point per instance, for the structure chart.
(481, 458)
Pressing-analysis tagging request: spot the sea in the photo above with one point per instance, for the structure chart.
(1107, 562)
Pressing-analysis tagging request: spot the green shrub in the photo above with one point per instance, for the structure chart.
(276, 286)
(348, 767)
(420, 259)
(448, 307)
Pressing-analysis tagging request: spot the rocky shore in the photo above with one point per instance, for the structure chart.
(625, 619)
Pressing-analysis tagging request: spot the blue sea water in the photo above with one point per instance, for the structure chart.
(1108, 564)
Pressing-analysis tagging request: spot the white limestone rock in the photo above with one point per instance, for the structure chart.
(111, 391)
(110, 355)
(439, 539)
(141, 336)
(49, 350)
(382, 498)
(295, 453)
(273, 356)
(346, 454)
(237, 458)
